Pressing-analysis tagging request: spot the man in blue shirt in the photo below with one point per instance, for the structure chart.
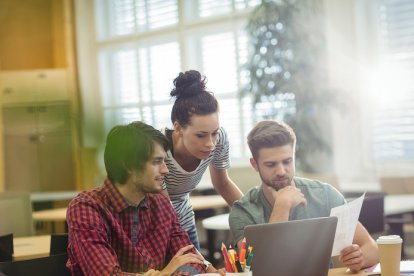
(283, 197)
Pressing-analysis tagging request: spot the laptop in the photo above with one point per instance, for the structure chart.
(299, 247)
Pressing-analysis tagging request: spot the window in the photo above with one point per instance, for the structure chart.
(393, 119)
(144, 44)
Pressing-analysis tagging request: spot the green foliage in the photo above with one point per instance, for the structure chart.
(287, 71)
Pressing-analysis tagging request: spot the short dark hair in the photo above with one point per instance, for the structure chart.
(269, 134)
(130, 147)
(192, 98)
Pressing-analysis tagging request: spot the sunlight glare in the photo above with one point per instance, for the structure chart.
(387, 86)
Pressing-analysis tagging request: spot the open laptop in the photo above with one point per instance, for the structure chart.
(300, 247)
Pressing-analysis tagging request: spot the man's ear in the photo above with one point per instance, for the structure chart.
(254, 164)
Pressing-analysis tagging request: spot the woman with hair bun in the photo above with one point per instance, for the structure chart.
(197, 142)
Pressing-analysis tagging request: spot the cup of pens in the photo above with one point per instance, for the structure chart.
(238, 263)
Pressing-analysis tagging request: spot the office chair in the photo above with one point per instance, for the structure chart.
(20, 220)
(372, 213)
(6, 248)
(46, 266)
(58, 243)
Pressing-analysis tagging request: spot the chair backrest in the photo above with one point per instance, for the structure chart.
(372, 213)
(47, 266)
(6, 248)
(16, 214)
(58, 243)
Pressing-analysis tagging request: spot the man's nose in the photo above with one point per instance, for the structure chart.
(280, 169)
(164, 168)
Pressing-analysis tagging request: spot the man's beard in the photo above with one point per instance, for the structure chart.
(277, 184)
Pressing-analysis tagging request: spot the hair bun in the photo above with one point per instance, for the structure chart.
(188, 84)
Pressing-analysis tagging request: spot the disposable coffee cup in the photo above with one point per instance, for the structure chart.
(390, 254)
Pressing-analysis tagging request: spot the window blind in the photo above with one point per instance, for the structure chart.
(137, 71)
(393, 121)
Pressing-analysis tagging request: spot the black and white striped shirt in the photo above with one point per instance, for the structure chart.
(180, 183)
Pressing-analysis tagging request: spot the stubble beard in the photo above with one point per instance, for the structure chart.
(277, 184)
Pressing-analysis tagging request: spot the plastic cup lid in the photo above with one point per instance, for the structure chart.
(390, 239)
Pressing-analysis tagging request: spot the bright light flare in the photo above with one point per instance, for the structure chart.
(387, 86)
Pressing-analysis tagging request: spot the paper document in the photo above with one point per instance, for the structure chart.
(406, 268)
(348, 215)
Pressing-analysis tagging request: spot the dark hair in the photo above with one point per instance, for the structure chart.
(129, 147)
(269, 134)
(191, 98)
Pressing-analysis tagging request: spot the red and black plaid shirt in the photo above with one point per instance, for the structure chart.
(107, 236)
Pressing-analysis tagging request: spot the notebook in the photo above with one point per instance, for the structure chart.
(300, 247)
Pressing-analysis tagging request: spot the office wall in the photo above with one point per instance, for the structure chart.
(36, 38)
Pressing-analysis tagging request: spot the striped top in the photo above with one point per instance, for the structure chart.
(180, 183)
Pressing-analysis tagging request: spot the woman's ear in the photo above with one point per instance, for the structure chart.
(177, 127)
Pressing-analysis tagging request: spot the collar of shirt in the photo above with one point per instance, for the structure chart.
(115, 199)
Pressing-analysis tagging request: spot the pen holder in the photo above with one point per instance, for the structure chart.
(247, 273)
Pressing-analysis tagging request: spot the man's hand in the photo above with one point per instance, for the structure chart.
(352, 257)
(289, 196)
(285, 200)
(152, 272)
(180, 259)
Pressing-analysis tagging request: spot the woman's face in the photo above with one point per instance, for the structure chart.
(200, 136)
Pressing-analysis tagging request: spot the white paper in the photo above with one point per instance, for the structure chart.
(405, 267)
(348, 215)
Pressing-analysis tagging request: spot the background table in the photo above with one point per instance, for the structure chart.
(31, 247)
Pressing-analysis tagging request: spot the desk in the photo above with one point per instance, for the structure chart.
(207, 202)
(31, 247)
(50, 215)
(342, 272)
(398, 204)
(52, 196)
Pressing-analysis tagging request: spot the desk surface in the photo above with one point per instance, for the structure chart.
(342, 271)
(398, 204)
(55, 215)
(31, 247)
(52, 196)
(207, 202)
(198, 202)
(39, 246)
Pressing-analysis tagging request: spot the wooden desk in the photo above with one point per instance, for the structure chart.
(31, 247)
(207, 202)
(342, 272)
(50, 215)
(52, 196)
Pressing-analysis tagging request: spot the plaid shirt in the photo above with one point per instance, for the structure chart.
(107, 236)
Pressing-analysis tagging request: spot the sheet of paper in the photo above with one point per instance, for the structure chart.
(348, 215)
(406, 267)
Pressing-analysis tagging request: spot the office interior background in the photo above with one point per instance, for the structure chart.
(72, 69)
